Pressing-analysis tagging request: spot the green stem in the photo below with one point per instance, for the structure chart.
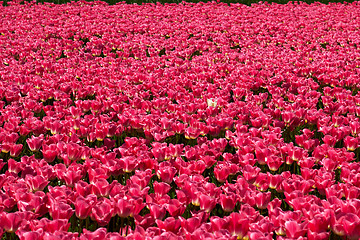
(122, 226)
(87, 223)
(127, 225)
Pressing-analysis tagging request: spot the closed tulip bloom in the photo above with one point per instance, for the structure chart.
(73, 151)
(49, 152)
(166, 174)
(161, 188)
(351, 143)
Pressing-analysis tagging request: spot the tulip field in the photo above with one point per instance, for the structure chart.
(179, 121)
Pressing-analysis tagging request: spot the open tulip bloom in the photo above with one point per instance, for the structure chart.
(179, 121)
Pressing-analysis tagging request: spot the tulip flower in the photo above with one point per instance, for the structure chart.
(157, 211)
(169, 224)
(315, 235)
(144, 221)
(15, 150)
(351, 143)
(99, 233)
(49, 152)
(60, 210)
(175, 208)
(294, 229)
(166, 174)
(192, 133)
(11, 222)
(37, 183)
(83, 206)
(124, 208)
(238, 224)
(102, 212)
(14, 166)
(262, 199)
(101, 187)
(34, 143)
(227, 202)
(30, 235)
(207, 203)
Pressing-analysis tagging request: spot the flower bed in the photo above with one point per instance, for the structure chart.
(188, 121)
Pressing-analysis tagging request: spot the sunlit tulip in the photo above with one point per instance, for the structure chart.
(60, 210)
(11, 222)
(37, 183)
(238, 224)
(227, 202)
(34, 143)
(102, 212)
(169, 224)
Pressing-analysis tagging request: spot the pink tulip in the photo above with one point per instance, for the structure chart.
(169, 224)
(207, 203)
(317, 236)
(73, 151)
(11, 222)
(124, 208)
(351, 143)
(34, 143)
(157, 211)
(49, 152)
(166, 173)
(14, 166)
(101, 187)
(83, 206)
(60, 210)
(15, 150)
(238, 224)
(227, 202)
(294, 229)
(30, 235)
(37, 183)
(144, 221)
(319, 223)
(175, 208)
(102, 212)
(262, 199)
(98, 234)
